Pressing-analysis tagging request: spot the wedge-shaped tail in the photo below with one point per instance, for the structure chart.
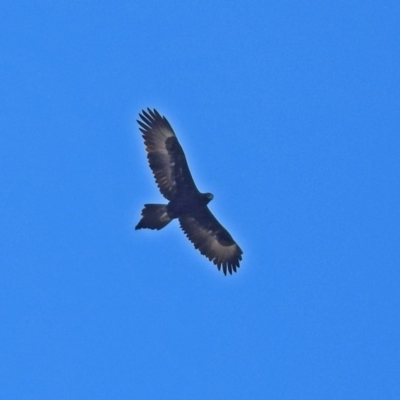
(154, 216)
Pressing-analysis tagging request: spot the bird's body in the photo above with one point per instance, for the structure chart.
(168, 163)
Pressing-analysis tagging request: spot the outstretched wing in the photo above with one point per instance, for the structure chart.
(212, 239)
(166, 157)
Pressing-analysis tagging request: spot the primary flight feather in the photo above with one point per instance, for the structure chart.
(168, 163)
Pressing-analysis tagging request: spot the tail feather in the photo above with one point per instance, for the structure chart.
(154, 216)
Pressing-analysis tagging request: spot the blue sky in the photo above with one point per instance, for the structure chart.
(288, 113)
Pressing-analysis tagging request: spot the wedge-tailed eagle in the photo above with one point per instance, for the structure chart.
(168, 163)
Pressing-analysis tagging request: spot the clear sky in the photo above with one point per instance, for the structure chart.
(288, 112)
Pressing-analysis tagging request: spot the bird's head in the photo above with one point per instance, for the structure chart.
(208, 197)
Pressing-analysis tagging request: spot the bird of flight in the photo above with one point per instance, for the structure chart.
(171, 172)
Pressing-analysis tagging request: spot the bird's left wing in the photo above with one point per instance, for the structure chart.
(212, 239)
(166, 157)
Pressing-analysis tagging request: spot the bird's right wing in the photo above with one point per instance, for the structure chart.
(166, 157)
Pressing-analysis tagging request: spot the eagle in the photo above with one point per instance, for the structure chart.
(185, 202)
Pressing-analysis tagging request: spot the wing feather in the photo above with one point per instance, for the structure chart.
(165, 155)
(212, 239)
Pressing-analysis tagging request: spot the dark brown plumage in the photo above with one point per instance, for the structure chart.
(168, 163)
